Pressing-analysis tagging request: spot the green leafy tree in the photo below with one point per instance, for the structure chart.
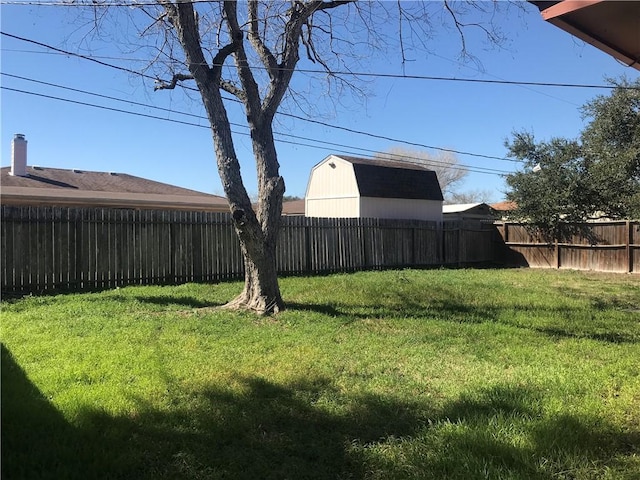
(565, 182)
(611, 144)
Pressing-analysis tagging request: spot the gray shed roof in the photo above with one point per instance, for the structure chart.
(391, 179)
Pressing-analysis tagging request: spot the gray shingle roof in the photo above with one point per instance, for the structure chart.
(392, 179)
(55, 186)
(45, 177)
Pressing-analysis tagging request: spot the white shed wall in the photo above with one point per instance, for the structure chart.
(332, 182)
(398, 208)
(332, 190)
(344, 207)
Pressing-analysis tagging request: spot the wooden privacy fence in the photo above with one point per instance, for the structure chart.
(45, 248)
(601, 246)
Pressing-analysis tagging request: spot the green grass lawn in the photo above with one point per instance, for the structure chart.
(409, 374)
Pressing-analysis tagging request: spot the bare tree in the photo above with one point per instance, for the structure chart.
(470, 196)
(250, 50)
(445, 163)
(257, 230)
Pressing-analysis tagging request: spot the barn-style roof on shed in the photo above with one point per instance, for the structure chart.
(380, 178)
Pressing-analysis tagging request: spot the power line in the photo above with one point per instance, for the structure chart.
(200, 117)
(467, 80)
(430, 162)
(396, 76)
(79, 55)
(91, 4)
(99, 57)
(99, 95)
(112, 109)
(296, 117)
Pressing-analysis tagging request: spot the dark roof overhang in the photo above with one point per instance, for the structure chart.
(611, 26)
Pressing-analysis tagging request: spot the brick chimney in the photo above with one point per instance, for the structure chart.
(19, 156)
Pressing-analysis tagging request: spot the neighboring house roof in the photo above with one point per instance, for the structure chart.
(611, 26)
(61, 187)
(463, 207)
(391, 179)
(505, 206)
(293, 207)
(467, 211)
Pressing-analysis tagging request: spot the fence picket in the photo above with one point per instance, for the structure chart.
(45, 248)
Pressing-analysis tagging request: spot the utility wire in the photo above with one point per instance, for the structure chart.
(395, 76)
(201, 117)
(112, 109)
(107, 97)
(79, 55)
(290, 115)
(430, 162)
(91, 4)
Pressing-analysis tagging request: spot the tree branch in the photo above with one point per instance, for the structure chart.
(330, 5)
(458, 27)
(299, 14)
(223, 53)
(251, 96)
(177, 77)
(185, 21)
(233, 89)
(266, 56)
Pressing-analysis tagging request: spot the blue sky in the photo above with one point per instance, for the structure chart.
(469, 117)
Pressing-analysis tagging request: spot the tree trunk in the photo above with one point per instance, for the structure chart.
(261, 291)
(258, 232)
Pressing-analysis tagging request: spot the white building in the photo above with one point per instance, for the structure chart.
(349, 187)
(467, 211)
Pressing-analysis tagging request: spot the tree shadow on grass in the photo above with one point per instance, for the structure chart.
(608, 337)
(452, 310)
(502, 431)
(177, 300)
(305, 429)
(323, 309)
(260, 430)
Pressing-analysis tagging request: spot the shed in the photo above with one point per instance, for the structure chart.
(467, 211)
(351, 187)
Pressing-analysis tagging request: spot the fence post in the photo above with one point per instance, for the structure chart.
(460, 241)
(628, 249)
(413, 246)
(441, 247)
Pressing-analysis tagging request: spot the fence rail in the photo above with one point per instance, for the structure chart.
(601, 246)
(47, 248)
